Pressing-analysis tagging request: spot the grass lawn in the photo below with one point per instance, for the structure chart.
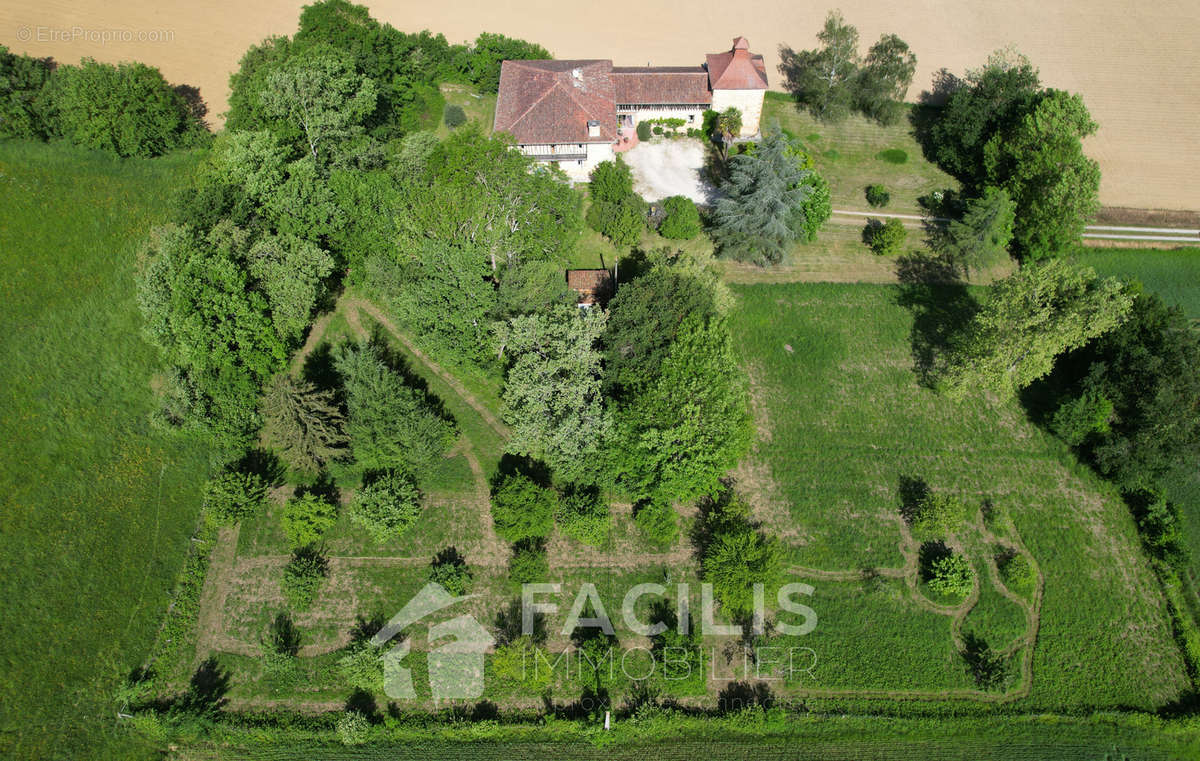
(858, 152)
(98, 506)
(480, 108)
(1173, 274)
(842, 420)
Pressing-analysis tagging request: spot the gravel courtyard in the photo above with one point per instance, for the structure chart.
(663, 168)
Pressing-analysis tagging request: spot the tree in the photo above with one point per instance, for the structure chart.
(127, 110)
(657, 521)
(391, 424)
(583, 516)
(387, 505)
(552, 390)
(1029, 319)
(617, 212)
(878, 196)
(521, 509)
(886, 239)
(994, 99)
(482, 64)
(1054, 186)
(728, 126)
(232, 496)
(762, 210)
(362, 667)
(682, 220)
(21, 80)
(611, 181)
(1017, 572)
(737, 556)
(691, 425)
(353, 728)
(290, 272)
(937, 515)
(823, 80)
(454, 116)
(303, 577)
(1142, 381)
(306, 519)
(883, 80)
(528, 564)
(450, 570)
(323, 97)
(980, 239)
(448, 297)
(951, 575)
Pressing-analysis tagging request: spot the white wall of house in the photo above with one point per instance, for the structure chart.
(577, 169)
(749, 102)
(694, 116)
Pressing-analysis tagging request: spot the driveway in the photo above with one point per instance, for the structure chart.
(665, 167)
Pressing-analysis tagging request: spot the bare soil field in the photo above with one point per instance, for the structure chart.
(1132, 61)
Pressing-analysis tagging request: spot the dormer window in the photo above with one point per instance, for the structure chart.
(593, 128)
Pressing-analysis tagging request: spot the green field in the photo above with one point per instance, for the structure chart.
(1172, 274)
(842, 420)
(98, 507)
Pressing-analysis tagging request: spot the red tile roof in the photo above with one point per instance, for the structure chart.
(591, 285)
(552, 101)
(661, 84)
(737, 69)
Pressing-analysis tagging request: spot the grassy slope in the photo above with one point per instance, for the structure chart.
(97, 506)
(846, 420)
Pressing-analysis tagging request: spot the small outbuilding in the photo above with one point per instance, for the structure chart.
(593, 286)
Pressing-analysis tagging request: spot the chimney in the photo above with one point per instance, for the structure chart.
(593, 128)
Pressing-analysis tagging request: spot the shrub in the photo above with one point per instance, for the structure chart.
(658, 130)
(878, 196)
(303, 577)
(657, 521)
(682, 220)
(893, 156)
(611, 181)
(886, 239)
(280, 648)
(306, 518)
(388, 505)
(454, 116)
(583, 516)
(21, 80)
(937, 514)
(510, 667)
(1017, 572)
(521, 509)
(622, 223)
(232, 496)
(528, 564)
(127, 110)
(353, 728)
(450, 570)
(643, 131)
(362, 667)
(951, 575)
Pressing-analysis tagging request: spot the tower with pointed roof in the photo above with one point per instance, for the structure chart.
(738, 78)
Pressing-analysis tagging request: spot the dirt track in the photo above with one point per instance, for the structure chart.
(1133, 61)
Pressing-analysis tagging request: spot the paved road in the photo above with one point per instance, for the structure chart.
(1108, 232)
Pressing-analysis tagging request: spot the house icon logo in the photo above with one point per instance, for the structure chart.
(455, 668)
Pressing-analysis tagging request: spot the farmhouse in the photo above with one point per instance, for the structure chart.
(578, 113)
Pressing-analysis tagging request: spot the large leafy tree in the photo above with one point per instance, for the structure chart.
(21, 81)
(1040, 162)
(1028, 320)
(762, 210)
(823, 79)
(291, 273)
(448, 298)
(391, 424)
(883, 80)
(691, 424)
(552, 391)
(480, 63)
(833, 80)
(127, 109)
(212, 325)
(1144, 377)
(736, 555)
(992, 99)
(323, 97)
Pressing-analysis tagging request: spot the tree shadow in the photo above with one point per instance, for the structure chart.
(941, 306)
(912, 492)
(319, 369)
(323, 487)
(400, 364)
(931, 552)
(264, 464)
(508, 625)
(364, 702)
(513, 464)
(206, 689)
(743, 696)
(283, 637)
(197, 108)
(366, 627)
(988, 668)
